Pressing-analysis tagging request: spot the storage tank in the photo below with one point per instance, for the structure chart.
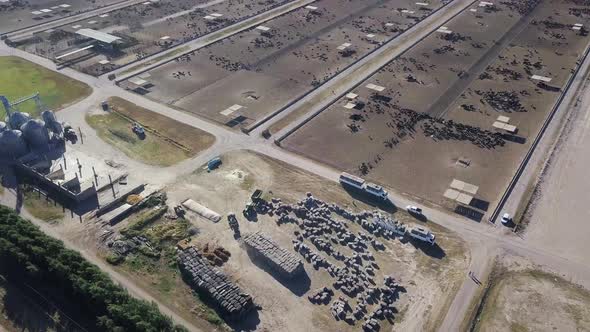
(35, 134)
(51, 122)
(12, 144)
(17, 119)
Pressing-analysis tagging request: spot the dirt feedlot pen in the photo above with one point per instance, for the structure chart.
(243, 78)
(145, 29)
(438, 115)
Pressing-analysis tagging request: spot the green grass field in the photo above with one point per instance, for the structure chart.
(157, 147)
(152, 150)
(20, 78)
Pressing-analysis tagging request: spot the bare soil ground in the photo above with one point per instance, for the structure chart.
(145, 29)
(433, 121)
(556, 216)
(166, 141)
(263, 70)
(17, 14)
(524, 298)
(431, 281)
(431, 278)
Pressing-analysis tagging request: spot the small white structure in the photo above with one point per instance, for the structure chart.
(377, 88)
(349, 106)
(262, 28)
(541, 78)
(231, 109)
(444, 29)
(351, 96)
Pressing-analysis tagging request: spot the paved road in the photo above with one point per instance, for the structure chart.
(482, 238)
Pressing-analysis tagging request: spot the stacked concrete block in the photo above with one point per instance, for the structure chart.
(284, 263)
(321, 296)
(204, 278)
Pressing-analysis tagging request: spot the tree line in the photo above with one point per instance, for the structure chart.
(26, 252)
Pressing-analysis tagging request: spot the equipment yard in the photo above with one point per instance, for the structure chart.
(463, 104)
(136, 32)
(429, 275)
(241, 79)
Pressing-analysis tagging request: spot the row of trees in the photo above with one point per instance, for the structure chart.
(25, 251)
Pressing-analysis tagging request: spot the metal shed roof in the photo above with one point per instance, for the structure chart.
(97, 35)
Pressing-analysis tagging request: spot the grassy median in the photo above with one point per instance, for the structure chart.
(166, 142)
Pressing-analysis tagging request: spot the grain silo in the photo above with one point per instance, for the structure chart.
(36, 134)
(51, 122)
(12, 144)
(17, 119)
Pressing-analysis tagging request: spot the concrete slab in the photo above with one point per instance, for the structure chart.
(451, 194)
(503, 118)
(464, 199)
(457, 184)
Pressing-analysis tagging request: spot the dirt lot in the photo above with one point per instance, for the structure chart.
(260, 71)
(556, 217)
(524, 298)
(432, 122)
(145, 29)
(165, 143)
(18, 14)
(430, 277)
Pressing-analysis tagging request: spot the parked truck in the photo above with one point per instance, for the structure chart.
(422, 234)
(360, 184)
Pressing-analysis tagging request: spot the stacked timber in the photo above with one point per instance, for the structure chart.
(207, 280)
(282, 262)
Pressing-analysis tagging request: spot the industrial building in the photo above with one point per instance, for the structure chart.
(36, 148)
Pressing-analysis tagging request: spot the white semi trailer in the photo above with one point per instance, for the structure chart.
(364, 186)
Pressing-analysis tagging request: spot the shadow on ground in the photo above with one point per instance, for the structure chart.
(298, 286)
(469, 213)
(434, 250)
(385, 205)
